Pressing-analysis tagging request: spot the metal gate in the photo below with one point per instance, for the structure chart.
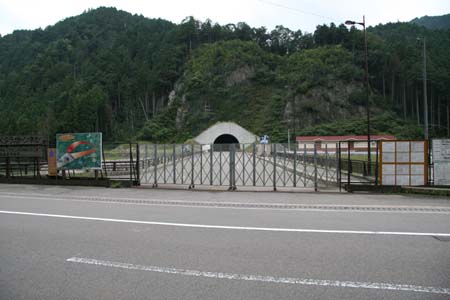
(234, 165)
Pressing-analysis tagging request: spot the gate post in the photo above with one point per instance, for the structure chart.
(264, 164)
(295, 164)
(164, 163)
(376, 163)
(211, 164)
(337, 161)
(349, 165)
(220, 164)
(274, 154)
(201, 164)
(146, 166)
(155, 164)
(232, 167)
(182, 163)
(326, 165)
(305, 178)
(243, 163)
(339, 167)
(174, 162)
(254, 164)
(138, 165)
(131, 164)
(191, 186)
(315, 166)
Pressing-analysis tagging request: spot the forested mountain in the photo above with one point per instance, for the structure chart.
(137, 78)
(434, 22)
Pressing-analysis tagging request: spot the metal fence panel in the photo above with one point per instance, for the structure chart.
(234, 165)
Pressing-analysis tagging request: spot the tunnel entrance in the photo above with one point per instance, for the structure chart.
(223, 142)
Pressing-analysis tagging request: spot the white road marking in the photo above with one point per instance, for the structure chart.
(262, 278)
(274, 229)
(337, 208)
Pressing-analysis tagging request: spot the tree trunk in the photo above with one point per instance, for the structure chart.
(393, 88)
(412, 103)
(143, 108)
(417, 106)
(131, 120)
(97, 123)
(118, 98)
(154, 104)
(448, 118)
(404, 100)
(146, 101)
(438, 112)
(431, 109)
(384, 89)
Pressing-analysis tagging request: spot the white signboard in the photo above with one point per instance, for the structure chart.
(403, 163)
(441, 160)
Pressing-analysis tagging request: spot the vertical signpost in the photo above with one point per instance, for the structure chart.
(51, 159)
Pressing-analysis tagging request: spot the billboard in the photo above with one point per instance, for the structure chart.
(75, 151)
(441, 161)
(403, 163)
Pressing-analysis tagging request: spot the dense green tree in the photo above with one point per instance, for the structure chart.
(112, 71)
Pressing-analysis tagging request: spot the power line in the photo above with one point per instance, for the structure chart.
(297, 10)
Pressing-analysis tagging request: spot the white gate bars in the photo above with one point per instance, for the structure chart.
(234, 165)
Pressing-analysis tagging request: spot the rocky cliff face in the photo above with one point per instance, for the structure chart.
(323, 104)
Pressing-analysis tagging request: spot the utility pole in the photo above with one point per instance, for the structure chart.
(425, 93)
(366, 78)
(369, 153)
(425, 100)
(289, 140)
(294, 115)
(448, 120)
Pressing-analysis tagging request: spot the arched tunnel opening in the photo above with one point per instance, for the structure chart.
(224, 141)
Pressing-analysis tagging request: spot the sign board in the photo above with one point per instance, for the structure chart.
(37, 151)
(75, 151)
(264, 139)
(22, 140)
(441, 162)
(403, 163)
(51, 154)
(23, 147)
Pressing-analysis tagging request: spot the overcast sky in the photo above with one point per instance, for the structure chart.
(295, 14)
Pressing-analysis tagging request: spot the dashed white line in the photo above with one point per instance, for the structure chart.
(262, 278)
(273, 229)
(336, 208)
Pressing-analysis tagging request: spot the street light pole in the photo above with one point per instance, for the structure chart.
(294, 114)
(289, 140)
(366, 79)
(425, 100)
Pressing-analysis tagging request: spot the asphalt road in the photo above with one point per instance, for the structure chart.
(96, 243)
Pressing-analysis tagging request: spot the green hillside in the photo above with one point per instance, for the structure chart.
(433, 22)
(137, 78)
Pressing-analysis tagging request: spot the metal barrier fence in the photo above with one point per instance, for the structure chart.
(312, 165)
(22, 155)
(233, 165)
(354, 165)
(120, 162)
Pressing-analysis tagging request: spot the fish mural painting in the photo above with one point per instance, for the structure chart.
(77, 151)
